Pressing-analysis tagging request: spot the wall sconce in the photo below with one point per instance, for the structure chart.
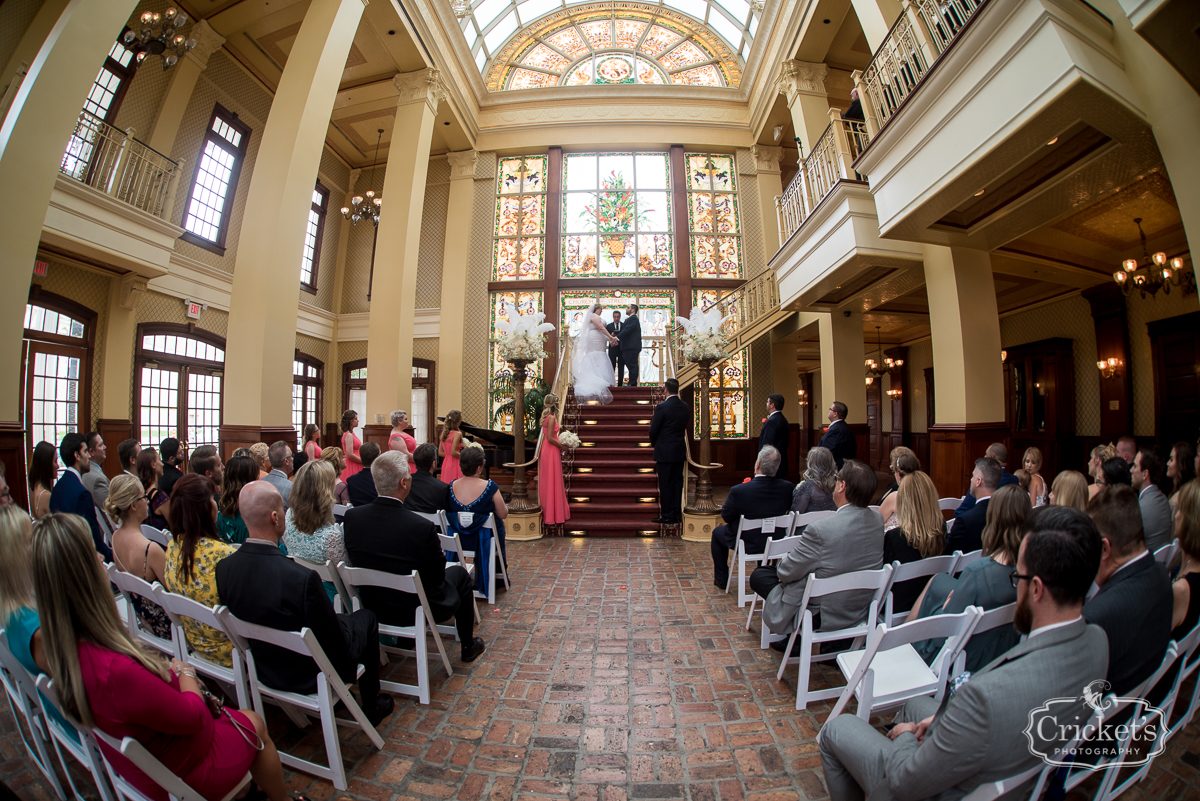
(802, 396)
(1003, 355)
(894, 393)
(870, 380)
(1108, 367)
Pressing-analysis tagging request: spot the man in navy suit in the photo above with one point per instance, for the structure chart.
(775, 432)
(69, 494)
(967, 533)
(765, 495)
(839, 439)
(668, 428)
(999, 452)
(630, 339)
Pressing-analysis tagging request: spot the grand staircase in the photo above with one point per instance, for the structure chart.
(613, 490)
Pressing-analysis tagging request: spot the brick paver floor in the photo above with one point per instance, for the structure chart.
(614, 671)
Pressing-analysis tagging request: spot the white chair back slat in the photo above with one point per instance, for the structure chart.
(153, 534)
(803, 519)
(995, 618)
(136, 753)
(452, 545)
(329, 572)
(948, 504)
(769, 525)
(1166, 554)
(22, 696)
(340, 509)
(966, 559)
(1189, 648)
(78, 741)
(774, 549)
(179, 607)
(106, 526)
(131, 586)
(906, 571)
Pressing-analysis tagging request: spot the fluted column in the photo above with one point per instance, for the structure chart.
(451, 342)
(803, 84)
(393, 294)
(262, 310)
(183, 77)
(770, 186)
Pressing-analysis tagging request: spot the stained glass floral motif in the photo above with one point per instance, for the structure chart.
(581, 75)
(728, 382)
(569, 41)
(713, 216)
(629, 32)
(598, 34)
(616, 215)
(527, 302)
(544, 58)
(614, 69)
(659, 39)
(648, 73)
(684, 55)
(520, 224)
(528, 79)
(701, 76)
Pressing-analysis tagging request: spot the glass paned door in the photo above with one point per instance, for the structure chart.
(159, 404)
(53, 392)
(204, 407)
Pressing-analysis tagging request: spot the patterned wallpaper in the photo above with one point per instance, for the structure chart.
(920, 356)
(754, 259)
(357, 273)
(761, 378)
(433, 235)
(156, 307)
(479, 271)
(1071, 319)
(333, 175)
(140, 107)
(91, 290)
(1141, 358)
(15, 18)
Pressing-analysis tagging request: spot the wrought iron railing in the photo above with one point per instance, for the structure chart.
(829, 162)
(924, 31)
(119, 165)
(753, 305)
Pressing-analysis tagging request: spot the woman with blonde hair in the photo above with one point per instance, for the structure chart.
(310, 531)
(986, 582)
(903, 462)
(552, 490)
(1100, 455)
(106, 680)
(1070, 488)
(128, 504)
(815, 492)
(1032, 462)
(921, 533)
(450, 443)
(400, 440)
(260, 452)
(337, 459)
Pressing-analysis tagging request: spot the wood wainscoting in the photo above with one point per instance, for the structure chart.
(13, 455)
(953, 451)
(113, 431)
(233, 437)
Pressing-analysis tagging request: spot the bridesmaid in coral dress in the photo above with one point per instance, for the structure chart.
(451, 442)
(350, 444)
(552, 492)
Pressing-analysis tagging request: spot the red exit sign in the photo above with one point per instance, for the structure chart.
(193, 311)
(40, 268)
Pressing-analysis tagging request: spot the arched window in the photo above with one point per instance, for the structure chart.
(56, 367)
(308, 382)
(179, 372)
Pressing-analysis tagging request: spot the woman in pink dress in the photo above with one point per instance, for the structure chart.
(399, 439)
(552, 492)
(450, 443)
(311, 447)
(350, 444)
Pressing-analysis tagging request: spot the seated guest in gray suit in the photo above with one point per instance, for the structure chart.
(977, 734)
(428, 494)
(849, 540)
(280, 456)
(1134, 603)
(765, 495)
(1144, 474)
(966, 534)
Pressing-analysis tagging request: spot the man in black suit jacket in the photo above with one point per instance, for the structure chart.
(630, 340)
(668, 428)
(999, 452)
(386, 536)
(614, 351)
(775, 432)
(428, 494)
(361, 486)
(69, 494)
(966, 534)
(765, 495)
(1134, 602)
(260, 585)
(838, 438)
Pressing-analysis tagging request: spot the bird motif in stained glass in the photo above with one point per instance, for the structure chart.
(629, 32)
(581, 75)
(648, 73)
(510, 176)
(544, 58)
(568, 41)
(700, 76)
(659, 39)
(598, 34)
(684, 55)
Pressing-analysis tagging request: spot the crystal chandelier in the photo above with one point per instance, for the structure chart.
(878, 369)
(158, 35)
(1151, 274)
(366, 208)
(461, 8)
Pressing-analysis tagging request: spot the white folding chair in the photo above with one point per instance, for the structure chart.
(495, 558)
(863, 580)
(452, 545)
(799, 521)
(774, 549)
(22, 697)
(78, 741)
(329, 572)
(874, 508)
(769, 525)
(949, 525)
(153, 534)
(136, 753)
(179, 607)
(357, 577)
(330, 688)
(437, 518)
(889, 671)
(131, 586)
(106, 526)
(340, 509)
(1189, 653)
(907, 571)
(966, 559)
(948, 504)
(1165, 554)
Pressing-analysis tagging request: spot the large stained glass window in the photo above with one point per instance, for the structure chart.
(728, 382)
(616, 215)
(656, 311)
(716, 233)
(527, 302)
(520, 229)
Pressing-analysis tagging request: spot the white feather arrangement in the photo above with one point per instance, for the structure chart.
(522, 335)
(704, 339)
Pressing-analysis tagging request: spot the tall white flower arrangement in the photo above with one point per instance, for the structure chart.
(704, 338)
(523, 336)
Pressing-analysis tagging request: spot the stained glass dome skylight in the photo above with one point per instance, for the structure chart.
(543, 43)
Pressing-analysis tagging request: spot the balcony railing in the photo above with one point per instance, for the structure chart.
(924, 31)
(117, 164)
(827, 164)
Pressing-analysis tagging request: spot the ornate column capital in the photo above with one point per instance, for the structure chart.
(462, 164)
(801, 78)
(766, 158)
(354, 176)
(421, 86)
(208, 42)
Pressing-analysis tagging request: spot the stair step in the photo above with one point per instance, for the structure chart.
(613, 529)
(595, 493)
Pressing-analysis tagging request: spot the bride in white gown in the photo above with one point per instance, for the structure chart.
(591, 368)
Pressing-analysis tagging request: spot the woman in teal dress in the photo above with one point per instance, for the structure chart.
(240, 471)
(470, 500)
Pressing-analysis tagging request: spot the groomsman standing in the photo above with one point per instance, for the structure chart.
(775, 432)
(614, 351)
(668, 428)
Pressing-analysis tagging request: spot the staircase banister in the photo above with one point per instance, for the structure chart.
(562, 376)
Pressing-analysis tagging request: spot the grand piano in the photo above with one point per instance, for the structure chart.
(498, 446)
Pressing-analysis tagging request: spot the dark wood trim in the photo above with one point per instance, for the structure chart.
(431, 383)
(953, 448)
(1174, 325)
(552, 256)
(114, 431)
(184, 365)
(901, 408)
(64, 305)
(178, 330)
(318, 382)
(199, 241)
(348, 384)
(230, 118)
(1157, 329)
(322, 210)
(85, 345)
(13, 455)
(232, 437)
(930, 406)
(679, 225)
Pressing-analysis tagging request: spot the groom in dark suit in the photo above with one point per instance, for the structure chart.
(614, 351)
(630, 340)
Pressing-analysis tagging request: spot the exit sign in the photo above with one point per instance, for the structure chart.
(193, 310)
(40, 268)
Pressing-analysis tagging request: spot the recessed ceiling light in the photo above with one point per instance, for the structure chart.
(980, 192)
(1052, 141)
